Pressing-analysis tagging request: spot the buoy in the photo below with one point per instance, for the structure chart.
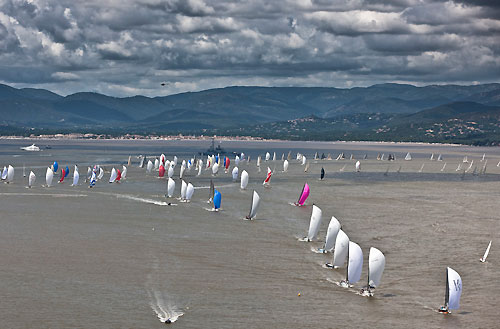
(298, 294)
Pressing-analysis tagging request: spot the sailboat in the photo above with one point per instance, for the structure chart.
(76, 176)
(189, 192)
(484, 155)
(304, 159)
(432, 157)
(170, 172)
(217, 200)
(124, 172)
(170, 187)
(267, 181)
(322, 175)
(358, 166)
(235, 173)
(49, 175)
(118, 176)
(31, 179)
(161, 171)
(227, 162)
(274, 156)
(32, 148)
(285, 166)
(354, 265)
(215, 169)
(314, 224)
(444, 166)
(10, 174)
(440, 158)
(149, 166)
(183, 169)
(143, 159)
(4, 173)
(340, 251)
(236, 160)
(331, 235)
(268, 156)
(254, 206)
(93, 179)
(244, 180)
(112, 177)
(408, 156)
(453, 291)
(376, 265)
(211, 192)
(421, 168)
(303, 195)
(183, 190)
(483, 259)
(307, 167)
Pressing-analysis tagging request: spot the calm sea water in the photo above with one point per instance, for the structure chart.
(115, 255)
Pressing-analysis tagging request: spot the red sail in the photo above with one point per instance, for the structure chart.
(118, 175)
(161, 172)
(62, 176)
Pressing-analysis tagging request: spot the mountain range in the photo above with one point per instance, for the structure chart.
(355, 111)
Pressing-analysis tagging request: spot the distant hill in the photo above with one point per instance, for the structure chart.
(233, 108)
(458, 122)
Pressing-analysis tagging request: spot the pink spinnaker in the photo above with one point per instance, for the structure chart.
(303, 195)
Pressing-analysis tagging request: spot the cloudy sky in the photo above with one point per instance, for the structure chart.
(129, 47)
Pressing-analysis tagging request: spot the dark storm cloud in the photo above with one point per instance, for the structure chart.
(130, 46)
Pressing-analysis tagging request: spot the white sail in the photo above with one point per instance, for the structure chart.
(49, 175)
(124, 172)
(183, 189)
(200, 167)
(274, 156)
(4, 173)
(331, 234)
(444, 166)
(236, 160)
(189, 191)
(183, 168)
(149, 166)
(170, 187)
(255, 205)
(454, 288)
(268, 156)
(376, 265)
(304, 159)
(258, 161)
(10, 174)
(235, 173)
(31, 179)
(355, 263)
(440, 157)
(157, 163)
(215, 168)
(285, 165)
(432, 157)
(113, 175)
(314, 223)
(486, 253)
(244, 180)
(358, 166)
(175, 160)
(76, 176)
(101, 173)
(408, 156)
(170, 172)
(341, 249)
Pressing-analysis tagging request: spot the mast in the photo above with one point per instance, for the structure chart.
(347, 267)
(251, 206)
(447, 294)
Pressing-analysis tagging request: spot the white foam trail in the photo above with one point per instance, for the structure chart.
(130, 197)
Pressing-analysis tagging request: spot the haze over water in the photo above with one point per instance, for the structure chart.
(108, 257)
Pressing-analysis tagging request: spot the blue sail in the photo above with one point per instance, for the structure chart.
(92, 179)
(55, 165)
(217, 158)
(66, 171)
(217, 199)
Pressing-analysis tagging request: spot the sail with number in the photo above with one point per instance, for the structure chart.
(254, 205)
(453, 290)
(314, 223)
(303, 195)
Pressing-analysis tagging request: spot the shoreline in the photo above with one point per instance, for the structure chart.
(93, 137)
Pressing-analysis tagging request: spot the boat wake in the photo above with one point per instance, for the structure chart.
(55, 195)
(144, 200)
(164, 310)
